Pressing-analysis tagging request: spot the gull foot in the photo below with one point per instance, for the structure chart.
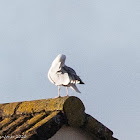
(57, 97)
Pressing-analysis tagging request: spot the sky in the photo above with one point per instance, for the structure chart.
(101, 41)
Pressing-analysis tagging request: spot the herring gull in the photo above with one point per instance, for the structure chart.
(62, 75)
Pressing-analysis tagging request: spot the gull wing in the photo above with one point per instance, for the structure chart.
(58, 76)
(74, 78)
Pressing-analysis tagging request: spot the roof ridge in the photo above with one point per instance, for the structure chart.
(32, 117)
(30, 107)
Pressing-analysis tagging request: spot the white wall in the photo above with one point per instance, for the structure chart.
(70, 133)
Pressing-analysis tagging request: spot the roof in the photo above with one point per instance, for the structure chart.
(39, 119)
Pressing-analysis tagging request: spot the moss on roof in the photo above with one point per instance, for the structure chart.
(43, 118)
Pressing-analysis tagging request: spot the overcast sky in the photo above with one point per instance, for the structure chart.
(101, 41)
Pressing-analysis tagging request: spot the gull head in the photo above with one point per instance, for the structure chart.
(59, 59)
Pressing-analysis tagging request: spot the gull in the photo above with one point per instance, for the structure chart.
(62, 75)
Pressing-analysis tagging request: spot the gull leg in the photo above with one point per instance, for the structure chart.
(58, 91)
(67, 91)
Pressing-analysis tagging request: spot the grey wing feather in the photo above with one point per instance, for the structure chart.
(69, 70)
(74, 87)
(74, 78)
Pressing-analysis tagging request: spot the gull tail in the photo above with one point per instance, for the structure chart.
(73, 86)
(81, 82)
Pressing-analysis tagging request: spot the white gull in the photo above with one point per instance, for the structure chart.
(62, 75)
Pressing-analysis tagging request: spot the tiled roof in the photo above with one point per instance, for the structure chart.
(41, 119)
